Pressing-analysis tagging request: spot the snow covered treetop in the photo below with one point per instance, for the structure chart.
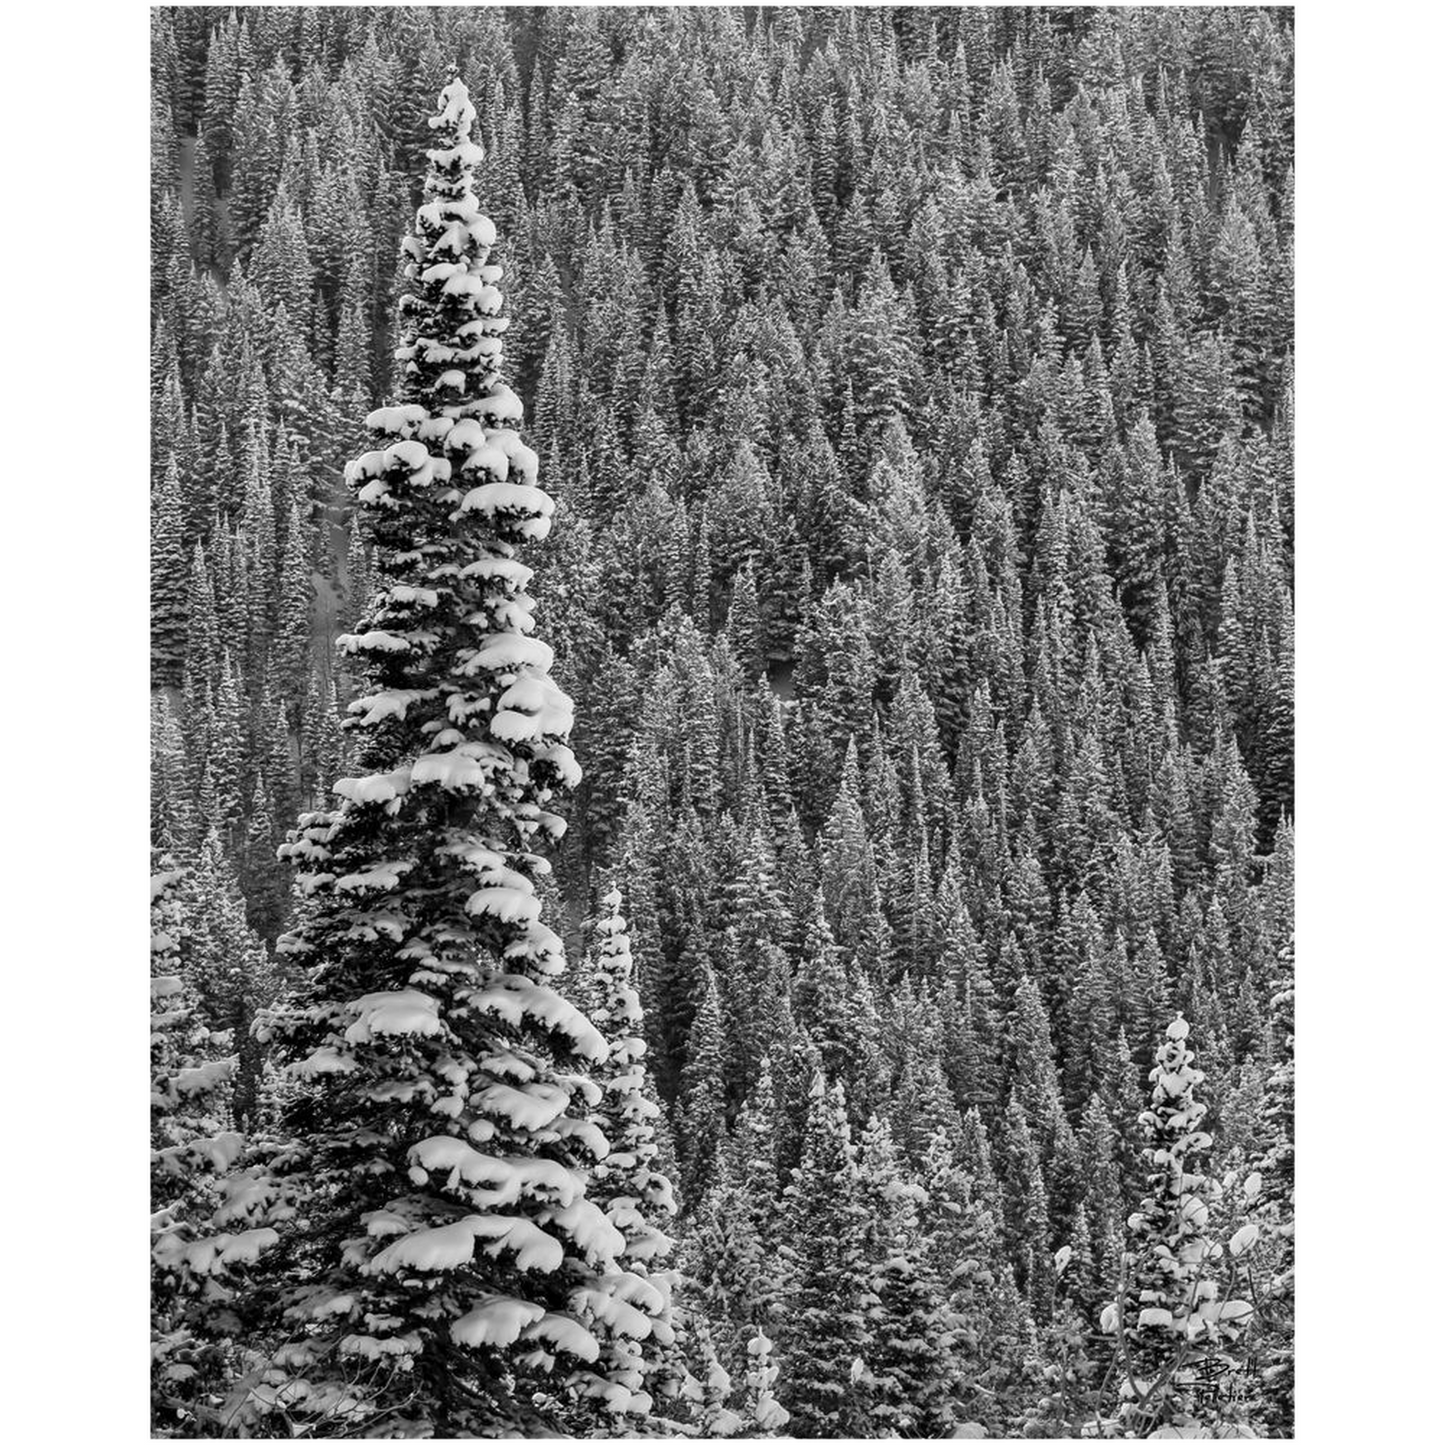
(453, 123)
(1175, 1115)
(451, 351)
(457, 111)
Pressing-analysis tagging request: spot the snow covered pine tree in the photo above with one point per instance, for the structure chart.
(636, 1197)
(448, 1250)
(191, 1147)
(1175, 1320)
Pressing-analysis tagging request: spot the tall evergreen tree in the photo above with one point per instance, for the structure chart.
(824, 1327)
(432, 1042)
(908, 1372)
(1170, 1319)
(169, 581)
(629, 1187)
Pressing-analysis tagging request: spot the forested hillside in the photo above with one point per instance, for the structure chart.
(904, 459)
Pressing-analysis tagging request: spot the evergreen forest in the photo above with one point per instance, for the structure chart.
(722, 658)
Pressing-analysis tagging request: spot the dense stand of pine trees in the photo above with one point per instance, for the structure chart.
(914, 389)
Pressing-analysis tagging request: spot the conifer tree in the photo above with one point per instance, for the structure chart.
(724, 1264)
(701, 1100)
(1172, 1316)
(908, 1375)
(292, 647)
(1026, 1211)
(1102, 1205)
(764, 1417)
(192, 1145)
(823, 1328)
(628, 1185)
(169, 581)
(442, 1133)
(1276, 1210)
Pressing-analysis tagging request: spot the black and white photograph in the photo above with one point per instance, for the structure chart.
(722, 647)
(715, 627)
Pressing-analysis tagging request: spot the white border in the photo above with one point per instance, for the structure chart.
(75, 110)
